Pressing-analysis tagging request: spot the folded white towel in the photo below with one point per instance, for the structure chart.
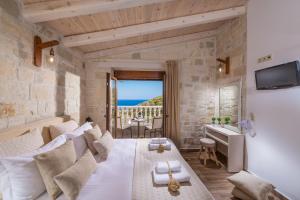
(163, 179)
(162, 167)
(158, 140)
(166, 145)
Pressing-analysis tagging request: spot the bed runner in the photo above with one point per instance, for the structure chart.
(143, 185)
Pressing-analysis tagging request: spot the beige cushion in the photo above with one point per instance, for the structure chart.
(104, 145)
(91, 135)
(22, 144)
(53, 163)
(240, 194)
(69, 126)
(74, 178)
(253, 186)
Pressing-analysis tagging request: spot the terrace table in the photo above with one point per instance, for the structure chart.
(138, 121)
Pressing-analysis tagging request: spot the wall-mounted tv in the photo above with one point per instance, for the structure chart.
(280, 76)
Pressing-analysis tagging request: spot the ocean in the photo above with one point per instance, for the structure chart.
(130, 102)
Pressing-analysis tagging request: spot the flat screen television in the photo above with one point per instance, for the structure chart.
(280, 76)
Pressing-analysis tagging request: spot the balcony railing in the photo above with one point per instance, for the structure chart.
(148, 113)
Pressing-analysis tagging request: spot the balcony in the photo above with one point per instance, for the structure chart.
(127, 113)
(148, 113)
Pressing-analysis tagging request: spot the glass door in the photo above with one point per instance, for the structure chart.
(164, 107)
(141, 108)
(111, 104)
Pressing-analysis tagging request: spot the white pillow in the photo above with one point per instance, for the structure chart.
(62, 128)
(22, 144)
(25, 181)
(18, 146)
(60, 140)
(78, 138)
(4, 180)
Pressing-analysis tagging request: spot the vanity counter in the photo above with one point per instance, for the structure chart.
(229, 143)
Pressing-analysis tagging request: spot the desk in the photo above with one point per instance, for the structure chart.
(229, 143)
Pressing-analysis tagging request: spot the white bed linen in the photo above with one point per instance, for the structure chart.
(113, 177)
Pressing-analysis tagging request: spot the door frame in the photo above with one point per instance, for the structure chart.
(108, 103)
(139, 75)
(109, 114)
(165, 114)
(146, 76)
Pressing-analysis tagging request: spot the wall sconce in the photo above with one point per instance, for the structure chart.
(224, 64)
(39, 46)
(51, 57)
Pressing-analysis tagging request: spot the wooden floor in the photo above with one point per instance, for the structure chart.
(212, 176)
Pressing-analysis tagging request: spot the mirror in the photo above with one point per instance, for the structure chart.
(230, 105)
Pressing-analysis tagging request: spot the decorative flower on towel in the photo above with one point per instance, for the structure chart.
(173, 185)
(161, 148)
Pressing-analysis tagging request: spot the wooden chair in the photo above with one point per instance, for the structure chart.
(123, 127)
(207, 150)
(157, 125)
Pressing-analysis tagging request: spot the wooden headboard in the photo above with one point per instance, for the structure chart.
(42, 125)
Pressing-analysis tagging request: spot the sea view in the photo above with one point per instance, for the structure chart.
(130, 102)
(133, 93)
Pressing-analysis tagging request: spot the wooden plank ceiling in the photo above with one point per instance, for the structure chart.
(134, 16)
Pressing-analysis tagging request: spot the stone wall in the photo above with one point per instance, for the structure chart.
(231, 41)
(197, 82)
(197, 90)
(199, 79)
(96, 94)
(29, 93)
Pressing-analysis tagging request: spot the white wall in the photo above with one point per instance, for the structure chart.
(274, 154)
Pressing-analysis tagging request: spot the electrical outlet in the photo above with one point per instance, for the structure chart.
(264, 59)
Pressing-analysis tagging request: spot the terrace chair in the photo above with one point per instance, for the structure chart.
(123, 127)
(156, 126)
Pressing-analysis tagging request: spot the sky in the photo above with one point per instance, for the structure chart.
(139, 89)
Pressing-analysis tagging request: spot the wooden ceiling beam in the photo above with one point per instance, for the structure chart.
(138, 75)
(57, 9)
(127, 64)
(152, 27)
(148, 45)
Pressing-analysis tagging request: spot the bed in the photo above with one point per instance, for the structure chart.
(127, 175)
